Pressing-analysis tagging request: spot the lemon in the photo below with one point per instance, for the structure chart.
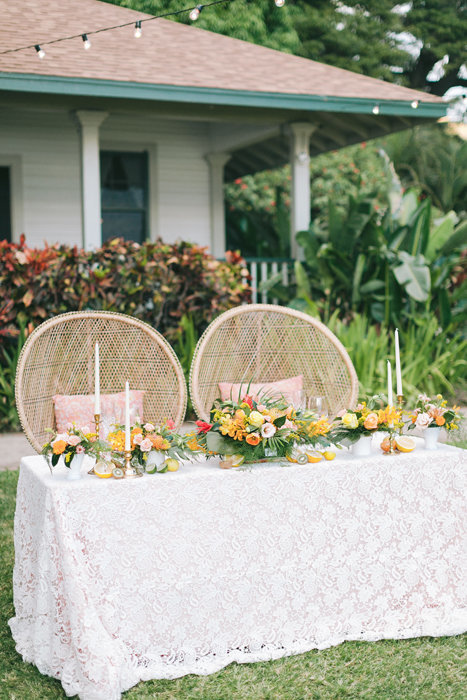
(172, 465)
(329, 455)
(405, 443)
(103, 470)
(232, 461)
(314, 456)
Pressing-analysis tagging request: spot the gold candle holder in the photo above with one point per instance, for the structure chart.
(400, 406)
(392, 445)
(97, 423)
(129, 472)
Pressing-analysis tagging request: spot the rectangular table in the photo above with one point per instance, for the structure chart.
(121, 581)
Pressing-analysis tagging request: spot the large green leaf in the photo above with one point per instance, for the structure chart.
(440, 235)
(414, 275)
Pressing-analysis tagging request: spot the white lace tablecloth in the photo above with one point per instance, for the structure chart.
(117, 582)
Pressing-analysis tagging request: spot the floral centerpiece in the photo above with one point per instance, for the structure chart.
(364, 420)
(150, 445)
(72, 443)
(434, 413)
(258, 430)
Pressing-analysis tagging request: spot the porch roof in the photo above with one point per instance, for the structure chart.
(175, 64)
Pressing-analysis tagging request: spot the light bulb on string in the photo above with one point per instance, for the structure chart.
(86, 42)
(138, 30)
(279, 3)
(195, 12)
(375, 109)
(40, 52)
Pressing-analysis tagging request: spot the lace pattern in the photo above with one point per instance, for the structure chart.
(185, 573)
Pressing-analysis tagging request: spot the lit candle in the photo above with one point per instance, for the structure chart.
(97, 390)
(127, 418)
(398, 366)
(389, 384)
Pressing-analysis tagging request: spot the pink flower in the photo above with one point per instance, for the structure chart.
(261, 407)
(267, 418)
(79, 449)
(268, 430)
(138, 439)
(423, 420)
(170, 424)
(146, 445)
(149, 427)
(248, 400)
(74, 440)
(288, 425)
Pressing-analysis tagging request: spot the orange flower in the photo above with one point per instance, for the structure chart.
(253, 439)
(59, 447)
(371, 421)
(159, 443)
(440, 420)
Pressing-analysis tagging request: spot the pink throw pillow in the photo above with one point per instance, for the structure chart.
(79, 409)
(286, 388)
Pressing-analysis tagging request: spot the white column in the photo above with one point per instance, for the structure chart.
(90, 122)
(300, 202)
(217, 162)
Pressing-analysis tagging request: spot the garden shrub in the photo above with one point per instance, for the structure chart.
(157, 282)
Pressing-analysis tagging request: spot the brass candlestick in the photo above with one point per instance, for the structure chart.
(129, 472)
(392, 445)
(97, 422)
(400, 405)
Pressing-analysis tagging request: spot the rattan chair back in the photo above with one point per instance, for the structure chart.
(265, 343)
(58, 358)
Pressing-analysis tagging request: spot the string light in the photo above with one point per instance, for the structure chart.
(414, 104)
(195, 12)
(375, 109)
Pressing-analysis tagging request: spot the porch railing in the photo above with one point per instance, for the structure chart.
(262, 269)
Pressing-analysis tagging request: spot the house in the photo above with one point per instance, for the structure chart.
(136, 136)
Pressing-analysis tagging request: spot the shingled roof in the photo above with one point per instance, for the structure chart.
(176, 63)
(168, 53)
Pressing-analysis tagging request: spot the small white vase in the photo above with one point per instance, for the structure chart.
(431, 436)
(74, 470)
(362, 448)
(155, 457)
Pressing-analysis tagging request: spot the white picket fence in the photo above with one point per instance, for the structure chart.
(262, 269)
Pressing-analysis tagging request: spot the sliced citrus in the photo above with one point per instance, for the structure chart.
(329, 455)
(172, 464)
(117, 473)
(151, 468)
(302, 458)
(290, 459)
(103, 470)
(404, 443)
(314, 456)
(232, 461)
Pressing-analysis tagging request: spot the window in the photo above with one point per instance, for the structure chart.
(124, 195)
(5, 204)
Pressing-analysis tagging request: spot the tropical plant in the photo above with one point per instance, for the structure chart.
(9, 357)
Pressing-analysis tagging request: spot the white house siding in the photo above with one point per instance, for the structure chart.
(47, 145)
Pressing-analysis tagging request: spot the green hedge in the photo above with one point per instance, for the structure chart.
(157, 282)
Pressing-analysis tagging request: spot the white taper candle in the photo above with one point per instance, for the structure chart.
(97, 381)
(398, 365)
(127, 418)
(389, 384)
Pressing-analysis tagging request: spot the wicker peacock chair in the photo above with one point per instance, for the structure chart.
(265, 343)
(58, 358)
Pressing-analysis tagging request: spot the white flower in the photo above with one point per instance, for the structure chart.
(146, 445)
(423, 420)
(268, 430)
(149, 427)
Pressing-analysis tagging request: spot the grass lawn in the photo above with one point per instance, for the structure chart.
(410, 669)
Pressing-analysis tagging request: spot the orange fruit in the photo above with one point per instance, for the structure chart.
(385, 445)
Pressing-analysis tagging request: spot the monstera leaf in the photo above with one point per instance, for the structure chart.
(414, 275)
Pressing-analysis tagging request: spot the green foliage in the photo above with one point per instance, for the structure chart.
(258, 206)
(390, 268)
(433, 161)
(432, 361)
(157, 282)
(9, 356)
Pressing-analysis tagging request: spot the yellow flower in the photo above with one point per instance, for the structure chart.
(439, 396)
(256, 419)
(350, 420)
